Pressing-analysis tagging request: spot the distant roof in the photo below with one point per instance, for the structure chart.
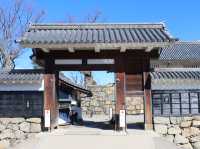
(175, 75)
(68, 82)
(175, 80)
(181, 51)
(21, 76)
(35, 76)
(45, 34)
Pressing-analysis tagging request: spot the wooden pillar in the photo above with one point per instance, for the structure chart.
(50, 98)
(147, 94)
(120, 95)
(120, 91)
(120, 88)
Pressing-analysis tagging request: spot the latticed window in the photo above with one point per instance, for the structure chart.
(176, 102)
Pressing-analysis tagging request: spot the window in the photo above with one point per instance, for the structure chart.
(176, 102)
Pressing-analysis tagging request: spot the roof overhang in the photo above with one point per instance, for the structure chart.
(97, 37)
(97, 47)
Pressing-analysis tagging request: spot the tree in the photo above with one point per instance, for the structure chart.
(14, 21)
(94, 17)
(78, 77)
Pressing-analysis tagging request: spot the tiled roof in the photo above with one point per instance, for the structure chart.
(95, 33)
(181, 51)
(20, 75)
(34, 76)
(175, 80)
(175, 75)
(72, 84)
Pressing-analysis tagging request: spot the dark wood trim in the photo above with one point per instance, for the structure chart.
(84, 67)
(50, 101)
(120, 91)
(147, 93)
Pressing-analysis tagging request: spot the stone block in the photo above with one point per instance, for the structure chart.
(186, 146)
(161, 120)
(35, 128)
(4, 144)
(185, 124)
(108, 102)
(194, 139)
(17, 120)
(2, 126)
(25, 127)
(138, 107)
(7, 134)
(187, 118)
(196, 145)
(174, 130)
(196, 117)
(175, 120)
(34, 120)
(180, 139)
(19, 134)
(13, 126)
(161, 129)
(98, 109)
(169, 138)
(192, 131)
(196, 123)
(5, 121)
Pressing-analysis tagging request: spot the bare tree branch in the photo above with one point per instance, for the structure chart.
(14, 21)
(78, 77)
(94, 17)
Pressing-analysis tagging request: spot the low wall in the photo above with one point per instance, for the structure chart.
(183, 131)
(14, 130)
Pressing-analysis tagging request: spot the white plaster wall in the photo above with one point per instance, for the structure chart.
(22, 86)
(171, 84)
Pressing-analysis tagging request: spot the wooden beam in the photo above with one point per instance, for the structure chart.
(97, 49)
(45, 50)
(87, 54)
(123, 49)
(148, 49)
(93, 67)
(71, 50)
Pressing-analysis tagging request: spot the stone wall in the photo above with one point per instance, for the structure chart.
(104, 98)
(101, 101)
(14, 130)
(183, 131)
(134, 105)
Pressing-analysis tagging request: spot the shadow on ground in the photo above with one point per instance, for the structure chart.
(107, 126)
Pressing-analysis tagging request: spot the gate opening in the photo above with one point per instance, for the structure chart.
(96, 107)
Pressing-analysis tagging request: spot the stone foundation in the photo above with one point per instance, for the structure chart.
(183, 131)
(134, 105)
(104, 98)
(101, 101)
(14, 130)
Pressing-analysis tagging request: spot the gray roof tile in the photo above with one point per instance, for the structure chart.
(95, 33)
(175, 75)
(175, 80)
(20, 75)
(35, 76)
(181, 51)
